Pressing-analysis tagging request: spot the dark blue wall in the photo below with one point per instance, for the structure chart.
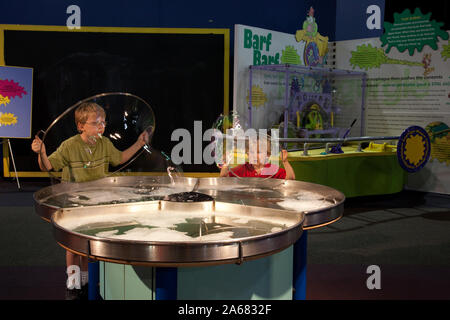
(351, 19)
(283, 15)
(337, 19)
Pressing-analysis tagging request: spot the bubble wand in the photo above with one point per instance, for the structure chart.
(337, 148)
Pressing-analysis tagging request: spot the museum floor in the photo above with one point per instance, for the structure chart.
(405, 234)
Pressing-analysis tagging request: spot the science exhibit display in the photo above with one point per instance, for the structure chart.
(168, 220)
(311, 102)
(320, 115)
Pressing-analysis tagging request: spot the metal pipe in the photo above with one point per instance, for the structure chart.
(320, 140)
(250, 96)
(286, 106)
(14, 164)
(305, 149)
(324, 140)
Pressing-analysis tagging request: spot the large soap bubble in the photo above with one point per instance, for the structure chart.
(126, 120)
(246, 153)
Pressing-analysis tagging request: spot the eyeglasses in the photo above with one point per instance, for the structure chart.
(97, 123)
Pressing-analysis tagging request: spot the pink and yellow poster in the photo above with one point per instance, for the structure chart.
(15, 102)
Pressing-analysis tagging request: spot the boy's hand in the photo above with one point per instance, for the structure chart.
(36, 145)
(143, 138)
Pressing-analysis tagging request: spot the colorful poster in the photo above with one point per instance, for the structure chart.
(408, 84)
(15, 102)
(256, 46)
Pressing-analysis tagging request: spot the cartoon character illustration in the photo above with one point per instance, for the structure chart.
(426, 64)
(316, 45)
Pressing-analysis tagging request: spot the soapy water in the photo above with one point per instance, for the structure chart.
(305, 201)
(161, 234)
(164, 219)
(303, 205)
(112, 195)
(172, 225)
(152, 224)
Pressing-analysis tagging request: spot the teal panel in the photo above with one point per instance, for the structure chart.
(138, 283)
(114, 281)
(265, 278)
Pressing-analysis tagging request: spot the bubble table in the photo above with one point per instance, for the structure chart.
(191, 238)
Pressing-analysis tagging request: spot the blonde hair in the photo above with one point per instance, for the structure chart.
(83, 110)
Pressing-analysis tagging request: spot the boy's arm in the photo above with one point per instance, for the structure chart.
(290, 174)
(140, 142)
(44, 163)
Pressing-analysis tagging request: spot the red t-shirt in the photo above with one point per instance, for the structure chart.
(248, 171)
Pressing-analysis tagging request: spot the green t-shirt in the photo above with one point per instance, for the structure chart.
(82, 162)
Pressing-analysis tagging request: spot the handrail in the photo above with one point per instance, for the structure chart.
(313, 140)
(318, 140)
(327, 141)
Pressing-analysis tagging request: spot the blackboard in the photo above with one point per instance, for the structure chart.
(182, 73)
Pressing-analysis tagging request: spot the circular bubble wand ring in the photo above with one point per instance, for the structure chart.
(150, 129)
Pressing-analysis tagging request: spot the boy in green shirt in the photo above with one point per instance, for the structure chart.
(84, 157)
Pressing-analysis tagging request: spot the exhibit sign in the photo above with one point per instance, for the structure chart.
(15, 102)
(255, 47)
(408, 84)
